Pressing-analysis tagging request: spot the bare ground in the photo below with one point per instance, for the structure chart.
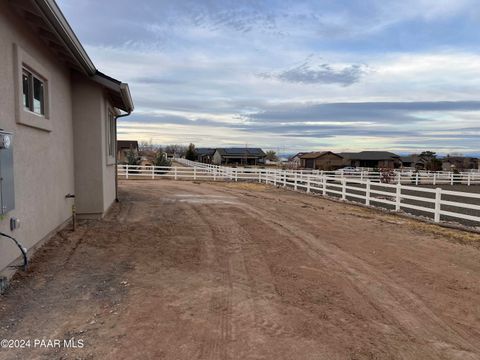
(183, 270)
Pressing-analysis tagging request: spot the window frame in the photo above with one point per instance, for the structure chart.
(31, 77)
(25, 63)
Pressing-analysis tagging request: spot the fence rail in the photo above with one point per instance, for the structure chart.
(435, 203)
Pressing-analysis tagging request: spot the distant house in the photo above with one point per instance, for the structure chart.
(371, 159)
(407, 161)
(123, 146)
(414, 161)
(325, 160)
(295, 159)
(460, 163)
(205, 155)
(238, 156)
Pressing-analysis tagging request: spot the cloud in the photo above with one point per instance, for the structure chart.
(307, 73)
(226, 72)
(368, 112)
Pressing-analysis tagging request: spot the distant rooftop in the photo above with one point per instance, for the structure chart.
(241, 152)
(127, 144)
(369, 155)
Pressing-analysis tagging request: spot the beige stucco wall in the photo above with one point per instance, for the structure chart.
(95, 176)
(71, 158)
(87, 108)
(43, 161)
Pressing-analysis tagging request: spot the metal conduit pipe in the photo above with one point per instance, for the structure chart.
(23, 250)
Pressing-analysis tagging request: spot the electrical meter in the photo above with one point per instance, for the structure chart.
(7, 192)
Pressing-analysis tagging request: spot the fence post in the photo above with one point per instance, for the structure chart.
(284, 178)
(416, 179)
(308, 184)
(259, 175)
(194, 173)
(236, 174)
(153, 172)
(451, 181)
(468, 179)
(295, 179)
(398, 197)
(126, 171)
(344, 189)
(175, 172)
(324, 185)
(275, 173)
(434, 178)
(214, 174)
(438, 202)
(367, 193)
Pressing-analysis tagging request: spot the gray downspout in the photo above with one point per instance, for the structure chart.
(116, 155)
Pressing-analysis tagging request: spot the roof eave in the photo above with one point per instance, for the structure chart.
(58, 21)
(114, 85)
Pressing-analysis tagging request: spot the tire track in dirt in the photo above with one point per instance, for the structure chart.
(267, 275)
(416, 320)
(255, 311)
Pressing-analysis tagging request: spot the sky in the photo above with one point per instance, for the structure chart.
(341, 75)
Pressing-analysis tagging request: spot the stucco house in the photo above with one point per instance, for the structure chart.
(238, 156)
(123, 147)
(296, 160)
(459, 163)
(371, 159)
(324, 160)
(205, 155)
(58, 114)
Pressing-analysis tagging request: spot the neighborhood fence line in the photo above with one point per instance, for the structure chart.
(435, 203)
(397, 175)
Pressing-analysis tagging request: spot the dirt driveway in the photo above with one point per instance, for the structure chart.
(179, 270)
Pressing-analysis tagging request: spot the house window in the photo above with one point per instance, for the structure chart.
(110, 132)
(33, 93)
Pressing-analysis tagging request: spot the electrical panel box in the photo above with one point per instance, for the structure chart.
(7, 191)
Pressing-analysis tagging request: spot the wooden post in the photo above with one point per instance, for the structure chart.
(324, 185)
(126, 171)
(416, 178)
(153, 172)
(308, 184)
(175, 172)
(468, 179)
(398, 197)
(438, 203)
(434, 178)
(451, 181)
(295, 179)
(344, 189)
(194, 173)
(367, 192)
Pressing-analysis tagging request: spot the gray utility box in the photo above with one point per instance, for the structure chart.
(7, 192)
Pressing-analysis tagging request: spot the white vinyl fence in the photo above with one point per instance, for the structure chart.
(435, 203)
